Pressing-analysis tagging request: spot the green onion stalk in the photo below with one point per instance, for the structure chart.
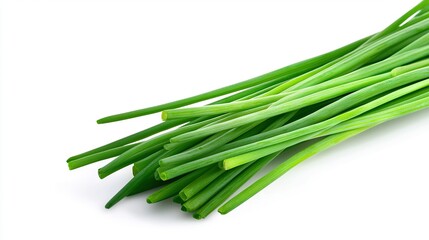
(200, 157)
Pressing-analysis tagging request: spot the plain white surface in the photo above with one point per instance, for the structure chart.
(66, 63)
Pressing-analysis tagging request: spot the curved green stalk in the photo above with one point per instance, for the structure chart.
(366, 120)
(177, 171)
(131, 157)
(245, 94)
(376, 68)
(220, 108)
(173, 188)
(422, 41)
(212, 145)
(282, 108)
(314, 117)
(145, 175)
(132, 138)
(404, 69)
(188, 145)
(126, 158)
(364, 55)
(286, 166)
(396, 24)
(218, 140)
(200, 183)
(232, 187)
(203, 196)
(113, 152)
(283, 73)
(364, 72)
(406, 45)
(330, 110)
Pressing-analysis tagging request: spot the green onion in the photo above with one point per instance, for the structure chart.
(233, 186)
(398, 81)
(173, 188)
(200, 156)
(193, 188)
(283, 73)
(286, 166)
(113, 152)
(202, 197)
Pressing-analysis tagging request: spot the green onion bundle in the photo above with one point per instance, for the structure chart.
(205, 154)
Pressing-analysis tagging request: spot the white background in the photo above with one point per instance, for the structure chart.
(66, 63)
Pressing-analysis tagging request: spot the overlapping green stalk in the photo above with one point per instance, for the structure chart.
(206, 154)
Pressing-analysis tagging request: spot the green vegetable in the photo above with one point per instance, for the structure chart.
(286, 166)
(200, 156)
(275, 76)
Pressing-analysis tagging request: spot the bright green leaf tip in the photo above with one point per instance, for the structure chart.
(183, 196)
(222, 211)
(109, 205)
(164, 116)
(163, 176)
(103, 120)
(101, 173)
(70, 166)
